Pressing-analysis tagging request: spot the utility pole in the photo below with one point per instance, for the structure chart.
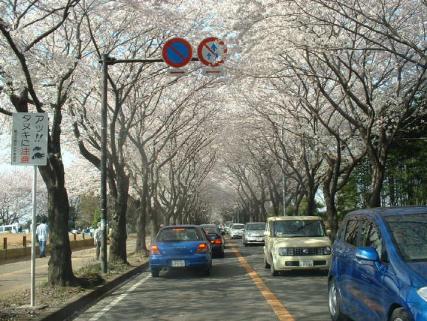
(105, 61)
(282, 131)
(284, 188)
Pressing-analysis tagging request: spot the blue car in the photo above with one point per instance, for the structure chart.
(379, 266)
(180, 246)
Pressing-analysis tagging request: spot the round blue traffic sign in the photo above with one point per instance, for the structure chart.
(177, 52)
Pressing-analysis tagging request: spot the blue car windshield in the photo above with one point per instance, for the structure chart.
(410, 235)
(179, 234)
(298, 228)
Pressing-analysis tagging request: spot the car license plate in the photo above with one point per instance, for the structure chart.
(306, 263)
(178, 263)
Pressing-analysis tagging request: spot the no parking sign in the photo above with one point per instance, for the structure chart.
(212, 52)
(177, 52)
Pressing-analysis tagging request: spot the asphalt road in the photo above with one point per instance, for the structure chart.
(239, 288)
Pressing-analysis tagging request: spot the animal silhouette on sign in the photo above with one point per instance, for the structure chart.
(38, 156)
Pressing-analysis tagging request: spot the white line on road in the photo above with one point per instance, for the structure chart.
(118, 299)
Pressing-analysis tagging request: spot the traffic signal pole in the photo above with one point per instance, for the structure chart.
(106, 61)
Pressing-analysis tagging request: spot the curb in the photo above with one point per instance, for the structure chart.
(70, 311)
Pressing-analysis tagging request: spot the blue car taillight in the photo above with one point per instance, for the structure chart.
(154, 249)
(202, 248)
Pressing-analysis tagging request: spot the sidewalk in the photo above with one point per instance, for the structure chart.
(17, 276)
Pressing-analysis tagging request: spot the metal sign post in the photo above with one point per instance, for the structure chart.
(29, 147)
(33, 239)
(105, 61)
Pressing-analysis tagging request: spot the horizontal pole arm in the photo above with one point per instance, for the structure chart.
(112, 61)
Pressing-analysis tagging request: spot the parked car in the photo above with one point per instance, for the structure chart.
(180, 246)
(253, 233)
(215, 237)
(76, 231)
(236, 230)
(379, 266)
(296, 243)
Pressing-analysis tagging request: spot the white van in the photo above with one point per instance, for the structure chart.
(296, 243)
(10, 228)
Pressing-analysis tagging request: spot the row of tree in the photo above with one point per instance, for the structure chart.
(160, 128)
(331, 86)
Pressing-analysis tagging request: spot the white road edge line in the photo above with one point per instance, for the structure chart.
(118, 299)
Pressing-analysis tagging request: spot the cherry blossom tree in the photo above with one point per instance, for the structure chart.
(365, 59)
(39, 51)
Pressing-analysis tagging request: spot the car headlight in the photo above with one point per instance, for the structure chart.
(423, 293)
(284, 251)
(327, 250)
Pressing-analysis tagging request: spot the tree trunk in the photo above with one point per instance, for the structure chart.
(392, 189)
(141, 245)
(311, 198)
(118, 220)
(331, 210)
(141, 222)
(60, 271)
(376, 184)
(262, 212)
(155, 211)
(298, 200)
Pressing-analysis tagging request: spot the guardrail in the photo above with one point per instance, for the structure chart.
(21, 253)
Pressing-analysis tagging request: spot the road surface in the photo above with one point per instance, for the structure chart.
(239, 288)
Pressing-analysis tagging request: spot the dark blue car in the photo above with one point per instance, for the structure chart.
(180, 246)
(379, 266)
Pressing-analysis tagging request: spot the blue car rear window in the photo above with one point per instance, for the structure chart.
(179, 234)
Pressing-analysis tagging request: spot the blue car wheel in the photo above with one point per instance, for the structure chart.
(155, 273)
(334, 303)
(206, 271)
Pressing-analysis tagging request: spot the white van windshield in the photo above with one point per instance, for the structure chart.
(298, 228)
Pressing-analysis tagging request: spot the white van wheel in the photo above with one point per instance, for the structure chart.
(273, 271)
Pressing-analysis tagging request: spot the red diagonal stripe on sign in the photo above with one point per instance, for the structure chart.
(176, 51)
(207, 47)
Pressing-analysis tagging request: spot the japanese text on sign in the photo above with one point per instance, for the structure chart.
(29, 139)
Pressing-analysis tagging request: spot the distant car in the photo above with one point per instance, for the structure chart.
(379, 266)
(253, 233)
(236, 230)
(227, 226)
(296, 243)
(180, 246)
(215, 237)
(221, 228)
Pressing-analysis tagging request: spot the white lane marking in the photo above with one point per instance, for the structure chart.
(118, 299)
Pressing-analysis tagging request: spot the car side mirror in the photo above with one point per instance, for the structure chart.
(328, 232)
(266, 233)
(367, 254)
